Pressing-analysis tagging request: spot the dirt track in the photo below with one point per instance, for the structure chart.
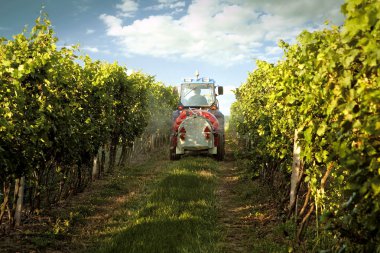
(245, 215)
(234, 215)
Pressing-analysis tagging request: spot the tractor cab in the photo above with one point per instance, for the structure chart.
(199, 93)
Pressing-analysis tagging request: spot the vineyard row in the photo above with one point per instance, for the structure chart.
(59, 110)
(313, 117)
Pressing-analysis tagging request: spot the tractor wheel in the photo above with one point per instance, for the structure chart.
(220, 152)
(173, 155)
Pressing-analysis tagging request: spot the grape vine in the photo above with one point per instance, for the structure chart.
(327, 88)
(57, 110)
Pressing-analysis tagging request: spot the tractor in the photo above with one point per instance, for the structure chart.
(198, 124)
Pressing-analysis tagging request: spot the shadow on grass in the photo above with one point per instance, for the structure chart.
(183, 187)
(165, 235)
(179, 214)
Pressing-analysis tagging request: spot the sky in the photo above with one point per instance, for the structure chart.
(171, 39)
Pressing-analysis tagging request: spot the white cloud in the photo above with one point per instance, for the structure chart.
(95, 50)
(91, 49)
(220, 32)
(90, 31)
(173, 6)
(273, 50)
(170, 4)
(128, 8)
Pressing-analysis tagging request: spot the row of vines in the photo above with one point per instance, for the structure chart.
(60, 114)
(314, 118)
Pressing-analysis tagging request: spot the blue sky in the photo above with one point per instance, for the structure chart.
(170, 39)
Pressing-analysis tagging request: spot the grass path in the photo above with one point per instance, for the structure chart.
(247, 214)
(234, 216)
(192, 205)
(124, 194)
(172, 209)
(90, 218)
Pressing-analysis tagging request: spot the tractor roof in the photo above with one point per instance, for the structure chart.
(199, 80)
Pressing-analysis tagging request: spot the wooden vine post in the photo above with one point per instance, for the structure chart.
(20, 185)
(95, 168)
(297, 172)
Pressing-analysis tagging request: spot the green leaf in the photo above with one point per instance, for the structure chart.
(375, 188)
(308, 134)
(322, 129)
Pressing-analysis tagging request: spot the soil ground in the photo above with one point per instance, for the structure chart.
(247, 216)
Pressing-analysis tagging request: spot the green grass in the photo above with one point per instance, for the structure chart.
(178, 215)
